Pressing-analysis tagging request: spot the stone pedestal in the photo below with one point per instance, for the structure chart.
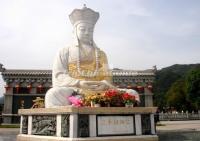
(89, 124)
(148, 98)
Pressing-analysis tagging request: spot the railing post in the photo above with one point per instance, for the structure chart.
(30, 125)
(73, 126)
(58, 126)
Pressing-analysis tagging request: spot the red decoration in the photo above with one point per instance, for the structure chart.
(7, 87)
(150, 87)
(17, 88)
(40, 87)
(29, 87)
(140, 89)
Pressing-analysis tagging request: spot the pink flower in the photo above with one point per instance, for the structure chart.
(76, 101)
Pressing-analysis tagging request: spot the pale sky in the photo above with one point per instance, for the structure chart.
(135, 34)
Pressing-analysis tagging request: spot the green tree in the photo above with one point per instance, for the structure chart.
(193, 87)
(164, 80)
(177, 96)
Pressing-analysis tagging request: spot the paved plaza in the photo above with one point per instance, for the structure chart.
(192, 125)
(8, 134)
(169, 131)
(179, 130)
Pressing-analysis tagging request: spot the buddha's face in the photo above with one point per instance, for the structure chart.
(84, 32)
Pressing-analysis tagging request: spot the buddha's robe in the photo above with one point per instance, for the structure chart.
(67, 78)
(65, 75)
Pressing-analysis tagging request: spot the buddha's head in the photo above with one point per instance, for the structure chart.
(84, 21)
(84, 32)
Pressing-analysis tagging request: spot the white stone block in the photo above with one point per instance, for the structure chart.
(29, 125)
(153, 131)
(21, 120)
(73, 126)
(58, 126)
(138, 124)
(115, 125)
(93, 126)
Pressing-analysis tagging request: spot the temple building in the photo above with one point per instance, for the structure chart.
(23, 86)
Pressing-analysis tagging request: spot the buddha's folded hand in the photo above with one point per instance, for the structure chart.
(94, 85)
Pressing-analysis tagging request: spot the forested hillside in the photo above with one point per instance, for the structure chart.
(178, 87)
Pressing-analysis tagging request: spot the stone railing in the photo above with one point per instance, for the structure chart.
(89, 124)
(178, 116)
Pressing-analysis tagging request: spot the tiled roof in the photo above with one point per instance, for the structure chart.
(118, 72)
(27, 72)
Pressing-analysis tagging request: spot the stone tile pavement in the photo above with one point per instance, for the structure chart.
(179, 130)
(170, 131)
(8, 134)
(192, 125)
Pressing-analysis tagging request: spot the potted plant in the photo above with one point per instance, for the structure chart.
(114, 98)
(94, 100)
(128, 99)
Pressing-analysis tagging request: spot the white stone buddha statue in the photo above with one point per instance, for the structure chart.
(81, 67)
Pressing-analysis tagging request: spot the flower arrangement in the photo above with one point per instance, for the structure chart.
(96, 98)
(76, 100)
(111, 97)
(114, 97)
(128, 99)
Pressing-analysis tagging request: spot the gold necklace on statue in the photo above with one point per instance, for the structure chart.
(88, 74)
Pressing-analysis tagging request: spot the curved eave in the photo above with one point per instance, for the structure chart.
(27, 73)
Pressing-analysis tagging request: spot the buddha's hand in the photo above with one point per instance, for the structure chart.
(110, 86)
(94, 85)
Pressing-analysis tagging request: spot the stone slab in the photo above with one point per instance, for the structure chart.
(21, 137)
(115, 125)
(87, 110)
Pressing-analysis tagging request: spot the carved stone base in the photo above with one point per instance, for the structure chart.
(113, 138)
(88, 124)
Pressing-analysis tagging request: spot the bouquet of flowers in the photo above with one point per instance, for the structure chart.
(76, 100)
(128, 99)
(114, 97)
(111, 97)
(95, 98)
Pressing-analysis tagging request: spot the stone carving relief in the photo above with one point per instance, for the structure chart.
(44, 125)
(65, 125)
(146, 124)
(83, 125)
(25, 125)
